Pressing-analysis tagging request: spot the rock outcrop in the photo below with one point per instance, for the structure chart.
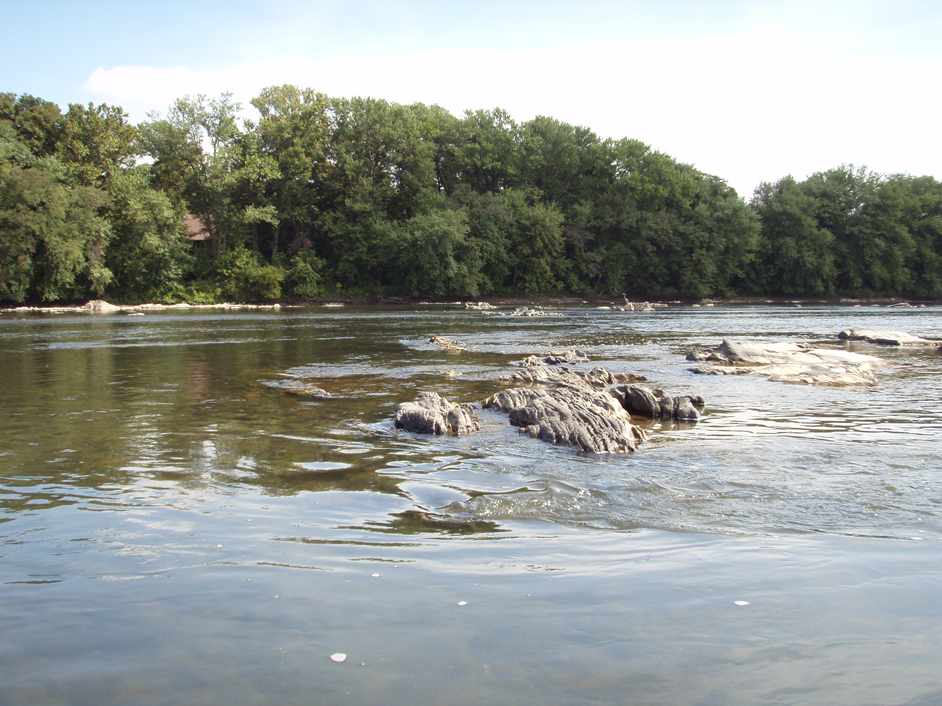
(883, 337)
(642, 401)
(433, 414)
(581, 416)
(789, 362)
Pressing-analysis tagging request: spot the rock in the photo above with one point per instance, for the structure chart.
(636, 306)
(573, 415)
(642, 401)
(553, 358)
(433, 414)
(597, 377)
(529, 312)
(789, 362)
(100, 306)
(446, 344)
(299, 388)
(479, 306)
(640, 306)
(884, 337)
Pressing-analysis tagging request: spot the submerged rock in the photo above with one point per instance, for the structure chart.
(433, 414)
(654, 403)
(479, 306)
(789, 362)
(447, 344)
(884, 337)
(581, 416)
(298, 388)
(529, 312)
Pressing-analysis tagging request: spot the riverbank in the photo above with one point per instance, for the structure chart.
(100, 306)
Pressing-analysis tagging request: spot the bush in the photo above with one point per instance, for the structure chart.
(304, 280)
(243, 278)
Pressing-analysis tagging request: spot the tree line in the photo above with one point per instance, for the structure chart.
(360, 197)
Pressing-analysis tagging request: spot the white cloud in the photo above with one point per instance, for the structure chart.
(747, 106)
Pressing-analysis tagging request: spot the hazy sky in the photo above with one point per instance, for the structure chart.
(749, 91)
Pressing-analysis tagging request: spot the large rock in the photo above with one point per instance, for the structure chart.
(433, 414)
(642, 401)
(884, 337)
(573, 415)
(789, 362)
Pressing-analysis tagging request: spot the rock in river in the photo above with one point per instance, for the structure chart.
(574, 415)
(884, 337)
(447, 344)
(789, 362)
(433, 414)
(554, 358)
(643, 401)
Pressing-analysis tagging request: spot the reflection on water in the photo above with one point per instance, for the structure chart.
(165, 501)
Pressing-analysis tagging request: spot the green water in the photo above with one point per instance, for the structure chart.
(176, 529)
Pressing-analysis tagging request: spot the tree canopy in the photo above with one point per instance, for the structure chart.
(319, 196)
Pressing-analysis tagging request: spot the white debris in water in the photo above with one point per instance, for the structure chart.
(375, 575)
(740, 603)
(218, 546)
(462, 603)
(338, 657)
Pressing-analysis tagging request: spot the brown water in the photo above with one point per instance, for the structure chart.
(176, 529)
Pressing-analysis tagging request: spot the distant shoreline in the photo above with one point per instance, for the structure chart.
(104, 307)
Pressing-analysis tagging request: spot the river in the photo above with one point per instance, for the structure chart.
(175, 529)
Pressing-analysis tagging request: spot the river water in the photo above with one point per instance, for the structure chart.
(176, 529)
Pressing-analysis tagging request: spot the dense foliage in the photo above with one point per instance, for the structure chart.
(331, 196)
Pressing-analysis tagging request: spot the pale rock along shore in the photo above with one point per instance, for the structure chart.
(100, 306)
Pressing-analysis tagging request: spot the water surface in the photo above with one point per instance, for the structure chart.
(176, 528)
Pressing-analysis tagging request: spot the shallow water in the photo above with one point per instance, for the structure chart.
(175, 528)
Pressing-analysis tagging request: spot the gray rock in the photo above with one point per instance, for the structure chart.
(433, 414)
(789, 362)
(883, 337)
(642, 401)
(572, 415)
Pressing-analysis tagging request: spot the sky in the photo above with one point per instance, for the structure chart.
(748, 91)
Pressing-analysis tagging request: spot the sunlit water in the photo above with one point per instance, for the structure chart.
(176, 529)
